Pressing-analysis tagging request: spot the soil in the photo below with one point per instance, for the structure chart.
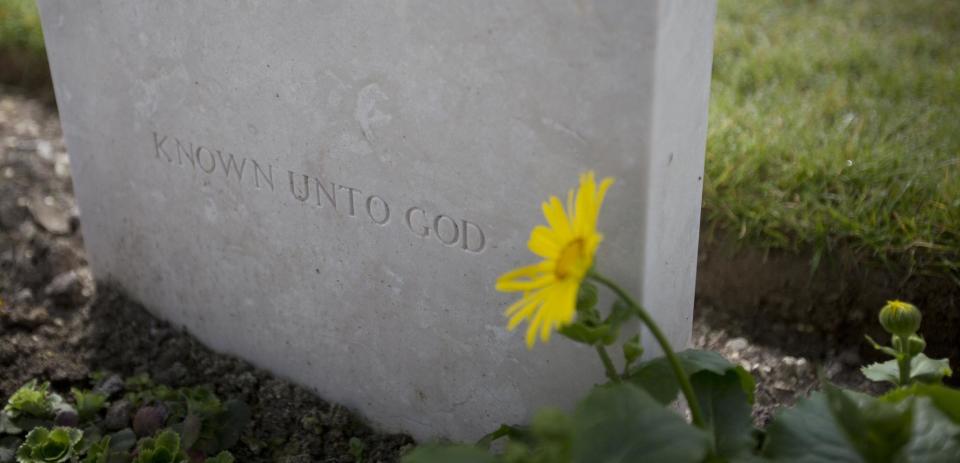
(58, 324)
(779, 298)
(27, 70)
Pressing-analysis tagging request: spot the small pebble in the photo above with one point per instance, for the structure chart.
(118, 416)
(736, 344)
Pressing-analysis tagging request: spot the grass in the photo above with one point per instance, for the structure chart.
(20, 26)
(837, 123)
(23, 59)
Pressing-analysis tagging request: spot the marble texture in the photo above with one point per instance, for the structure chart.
(329, 189)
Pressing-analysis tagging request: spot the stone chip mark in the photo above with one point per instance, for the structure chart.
(367, 114)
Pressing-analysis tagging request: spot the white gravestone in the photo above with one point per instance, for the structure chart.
(329, 189)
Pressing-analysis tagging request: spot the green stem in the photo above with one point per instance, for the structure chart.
(903, 361)
(608, 364)
(685, 386)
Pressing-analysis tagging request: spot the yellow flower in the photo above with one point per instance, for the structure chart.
(567, 247)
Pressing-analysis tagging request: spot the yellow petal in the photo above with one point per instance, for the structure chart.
(553, 212)
(605, 185)
(570, 299)
(523, 301)
(525, 285)
(584, 203)
(531, 337)
(525, 313)
(543, 242)
(523, 274)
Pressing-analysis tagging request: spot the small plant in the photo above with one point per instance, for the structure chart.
(46, 446)
(99, 451)
(209, 425)
(222, 457)
(33, 405)
(88, 403)
(32, 399)
(204, 426)
(165, 448)
(356, 449)
(909, 364)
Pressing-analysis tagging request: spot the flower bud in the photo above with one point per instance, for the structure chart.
(900, 318)
(916, 345)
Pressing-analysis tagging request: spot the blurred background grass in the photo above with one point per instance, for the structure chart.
(23, 59)
(832, 123)
(837, 123)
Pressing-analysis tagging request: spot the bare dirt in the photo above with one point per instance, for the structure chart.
(58, 324)
(820, 311)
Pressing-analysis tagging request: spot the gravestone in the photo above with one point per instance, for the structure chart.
(329, 189)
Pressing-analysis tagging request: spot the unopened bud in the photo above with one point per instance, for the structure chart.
(900, 318)
(916, 345)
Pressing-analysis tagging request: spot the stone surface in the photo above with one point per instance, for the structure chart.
(329, 189)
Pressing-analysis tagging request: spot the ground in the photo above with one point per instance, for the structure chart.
(57, 324)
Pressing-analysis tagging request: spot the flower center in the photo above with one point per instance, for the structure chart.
(571, 259)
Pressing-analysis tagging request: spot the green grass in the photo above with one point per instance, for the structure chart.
(20, 26)
(837, 123)
(23, 58)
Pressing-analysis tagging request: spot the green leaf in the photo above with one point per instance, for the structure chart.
(656, 377)
(632, 349)
(448, 454)
(887, 371)
(876, 429)
(808, 433)
(202, 401)
(515, 433)
(168, 440)
(123, 440)
(89, 403)
(222, 457)
(46, 446)
(231, 422)
(190, 430)
(927, 370)
(620, 312)
(587, 296)
(935, 438)
(947, 400)
(31, 399)
(553, 433)
(922, 369)
(727, 412)
(885, 349)
(99, 452)
(356, 449)
(599, 335)
(622, 423)
(843, 426)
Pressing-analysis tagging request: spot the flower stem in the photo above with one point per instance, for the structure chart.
(685, 386)
(608, 364)
(903, 361)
